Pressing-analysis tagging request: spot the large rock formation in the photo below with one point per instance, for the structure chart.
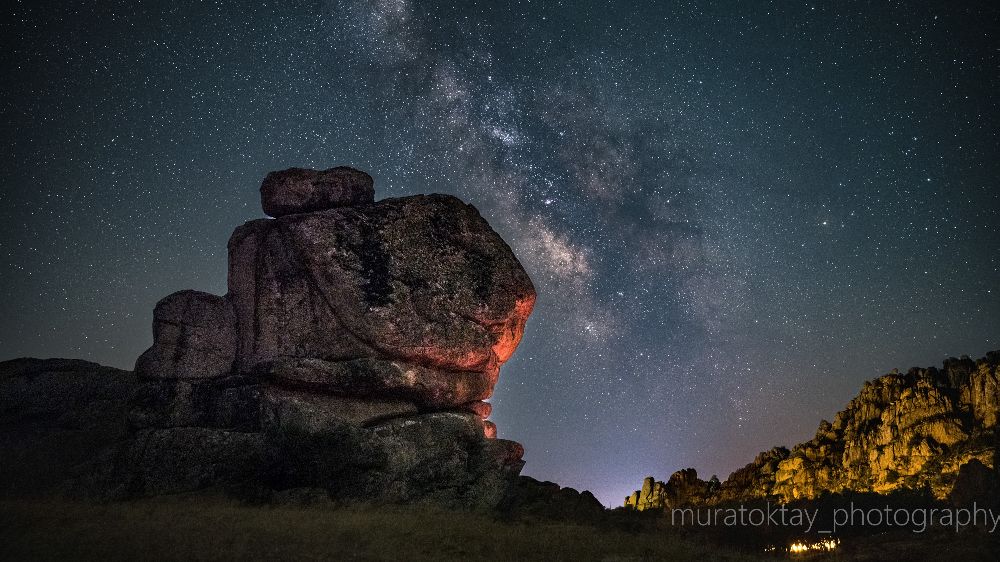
(682, 489)
(902, 431)
(352, 354)
(757, 476)
(930, 429)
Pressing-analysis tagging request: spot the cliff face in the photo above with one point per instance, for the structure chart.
(902, 431)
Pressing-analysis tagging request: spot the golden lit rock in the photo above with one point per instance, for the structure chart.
(901, 431)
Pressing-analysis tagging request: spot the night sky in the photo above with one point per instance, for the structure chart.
(733, 214)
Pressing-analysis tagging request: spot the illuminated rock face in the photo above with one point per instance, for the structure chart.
(901, 431)
(682, 489)
(758, 476)
(355, 346)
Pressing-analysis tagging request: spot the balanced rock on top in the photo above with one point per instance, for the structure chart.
(298, 190)
(352, 353)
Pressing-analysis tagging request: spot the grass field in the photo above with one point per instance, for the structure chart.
(199, 528)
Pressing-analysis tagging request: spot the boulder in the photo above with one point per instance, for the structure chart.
(194, 336)
(421, 279)
(297, 190)
(375, 332)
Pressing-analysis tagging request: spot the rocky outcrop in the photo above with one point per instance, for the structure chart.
(929, 428)
(682, 489)
(757, 476)
(351, 354)
(54, 415)
(901, 431)
(534, 499)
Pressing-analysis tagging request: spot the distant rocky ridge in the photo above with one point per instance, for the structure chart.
(351, 358)
(933, 429)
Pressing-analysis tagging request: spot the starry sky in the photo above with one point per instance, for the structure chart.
(734, 213)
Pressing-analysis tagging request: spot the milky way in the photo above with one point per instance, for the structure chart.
(733, 215)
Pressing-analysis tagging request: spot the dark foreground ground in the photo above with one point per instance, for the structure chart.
(217, 529)
(180, 528)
